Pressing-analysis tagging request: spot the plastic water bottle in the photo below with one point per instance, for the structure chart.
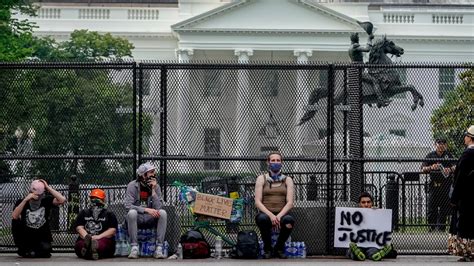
(218, 247)
(180, 251)
(303, 250)
(261, 251)
(298, 250)
(166, 246)
(124, 250)
(287, 249)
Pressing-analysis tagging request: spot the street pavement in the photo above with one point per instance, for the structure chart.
(69, 259)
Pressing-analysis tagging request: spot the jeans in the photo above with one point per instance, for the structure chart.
(137, 220)
(265, 225)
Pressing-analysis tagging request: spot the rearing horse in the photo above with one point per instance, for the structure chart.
(387, 78)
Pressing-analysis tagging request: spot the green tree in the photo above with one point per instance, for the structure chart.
(72, 110)
(456, 114)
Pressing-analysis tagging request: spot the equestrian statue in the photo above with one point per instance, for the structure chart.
(378, 84)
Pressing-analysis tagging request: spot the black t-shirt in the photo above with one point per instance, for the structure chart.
(36, 223)
(105, 221)
(437, 175)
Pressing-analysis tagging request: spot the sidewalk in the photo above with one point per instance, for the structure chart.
(69, 259)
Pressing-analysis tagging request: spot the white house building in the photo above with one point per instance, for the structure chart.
(274, 30)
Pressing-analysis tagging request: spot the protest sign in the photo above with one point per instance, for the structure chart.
(363, 226)
(212, 205)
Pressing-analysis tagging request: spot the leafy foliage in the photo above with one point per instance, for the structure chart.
(72, 111)
(456, 114)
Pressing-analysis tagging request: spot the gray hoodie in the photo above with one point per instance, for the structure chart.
(132, 198)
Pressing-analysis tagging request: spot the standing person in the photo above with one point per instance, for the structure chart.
(96, 227)
(30, 224)
(274, 197)
(439, 185)
(462, 198)
(144, 204)
(360, 253)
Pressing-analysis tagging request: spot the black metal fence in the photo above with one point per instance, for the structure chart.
(205, 122)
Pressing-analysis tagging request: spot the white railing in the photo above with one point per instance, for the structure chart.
(143, 14)
(94, 13)
(447, 19)
(398, 18)
(49, 13)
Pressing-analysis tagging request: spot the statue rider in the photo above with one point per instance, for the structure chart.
(356, 54)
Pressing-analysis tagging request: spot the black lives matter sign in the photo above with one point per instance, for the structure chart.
(363, 226)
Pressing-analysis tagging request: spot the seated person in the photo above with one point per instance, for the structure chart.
(96, 227)
(30, 224)
(274, 195)
(361, 253)
(144, 204)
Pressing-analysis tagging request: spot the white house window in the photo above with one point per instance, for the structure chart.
(271, 84)
(446, 81)
(398, 132)
(212, 147)
(212, 83)
(147, 82)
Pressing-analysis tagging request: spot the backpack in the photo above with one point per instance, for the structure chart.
(195, 245)
(247, 245)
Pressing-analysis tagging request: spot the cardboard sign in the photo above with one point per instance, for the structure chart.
(212, 205)
(363, 226)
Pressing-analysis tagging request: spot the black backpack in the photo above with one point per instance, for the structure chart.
(195, 245)
(247, 245)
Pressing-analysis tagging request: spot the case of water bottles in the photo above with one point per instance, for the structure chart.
(293, 250)
(146, 242)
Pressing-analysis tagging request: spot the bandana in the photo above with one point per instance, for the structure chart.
(275, 178)
(36, 204)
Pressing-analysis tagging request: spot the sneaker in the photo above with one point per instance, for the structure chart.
(173, 257)
(279, 254)
(382, 253)
(87, 245)
(133, 252)
(159, 252)
(94, 247)
(356, 251)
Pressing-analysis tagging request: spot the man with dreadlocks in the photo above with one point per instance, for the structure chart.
(144, 204)
(96, 227)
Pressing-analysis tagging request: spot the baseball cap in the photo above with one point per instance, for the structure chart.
(37, 187)
(470, 131)
(143, 168)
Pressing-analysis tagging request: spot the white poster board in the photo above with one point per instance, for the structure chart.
(363, 226)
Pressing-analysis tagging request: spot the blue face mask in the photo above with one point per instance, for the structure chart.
(275, 167)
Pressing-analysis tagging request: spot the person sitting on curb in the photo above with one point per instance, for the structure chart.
(96, 227)
(30, 224)
(360, 253)
(144, 204)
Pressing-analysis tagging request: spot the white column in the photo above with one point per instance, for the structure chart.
(182, 123)
(302, 95)
(242, 117)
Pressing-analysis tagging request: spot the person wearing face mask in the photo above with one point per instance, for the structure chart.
(144, 204)
(30, 223)
(274, 197)
(96, 227)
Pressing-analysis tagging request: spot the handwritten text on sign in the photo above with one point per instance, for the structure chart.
(363, 226)
(212, 205)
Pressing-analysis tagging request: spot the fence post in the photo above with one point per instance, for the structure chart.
(134, 111)
(73, 203)
(163, 129)
(330, 161)
(356, 130)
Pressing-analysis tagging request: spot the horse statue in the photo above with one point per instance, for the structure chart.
(388, 80)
